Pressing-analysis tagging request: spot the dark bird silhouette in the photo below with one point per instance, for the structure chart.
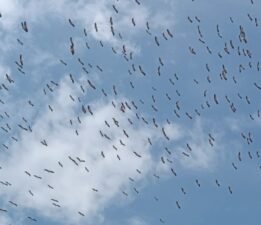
(230, 190)
(71, 23)
(12, 203)
(138, 155)
(48, 171)
(178, 205)
(73, 160)
(217, 183)
(133, 22)
(32, 219)
(10, 80)
(89, 109)
(164, 133)
(43, 142)
(173, 171)
(156, 41)
(24, 26)
(115, 9)
(162, 221)
(169, 33)
(197, 182)
(80, 213)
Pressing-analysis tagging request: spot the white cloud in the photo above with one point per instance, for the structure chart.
(136, 221)
(4, 220)
(85, 14)
(73, 184)
(202, 154)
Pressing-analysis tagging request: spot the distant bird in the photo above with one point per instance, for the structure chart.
(71, 23)
(197, 182)
(162, 221)
(169, 33)
(80, 213)
(73, 160)
(178, 205)
(43, 142)
(10, 80)
(32, 219)
(230, 190)
(115, 9)
(133, 22)
(24, 26)
(48, 171)
(138, 155)
(217, 182)
(174, 173)
(156, 41)
(14, 204)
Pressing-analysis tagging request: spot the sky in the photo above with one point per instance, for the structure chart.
(153, 118)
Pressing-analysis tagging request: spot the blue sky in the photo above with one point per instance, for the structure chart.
(131, 190)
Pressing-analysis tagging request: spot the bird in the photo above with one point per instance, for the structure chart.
(13, 203)
(162, 221)
(10, 80)
(217, 183)
(43, 142)
(133, 22)
(95, 190)
(71, 23)
(164, 133)
(73, 160)
(169, 33)
(197, 182)
(32, 219)
(230, 190)
(95, 27)
(24, 26)
(89, 109)
(80, 213)
(138, 155)
(178, 205)
(48, 171)
(156, 41)
(173, 171)
(115, 9)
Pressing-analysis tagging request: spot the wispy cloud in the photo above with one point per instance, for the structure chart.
(202, 155)
(136, 221)
(85, 14)
(4, 220)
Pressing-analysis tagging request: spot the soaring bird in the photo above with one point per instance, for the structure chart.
(24, 26)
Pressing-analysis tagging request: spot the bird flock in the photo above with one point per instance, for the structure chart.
(160, 96)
